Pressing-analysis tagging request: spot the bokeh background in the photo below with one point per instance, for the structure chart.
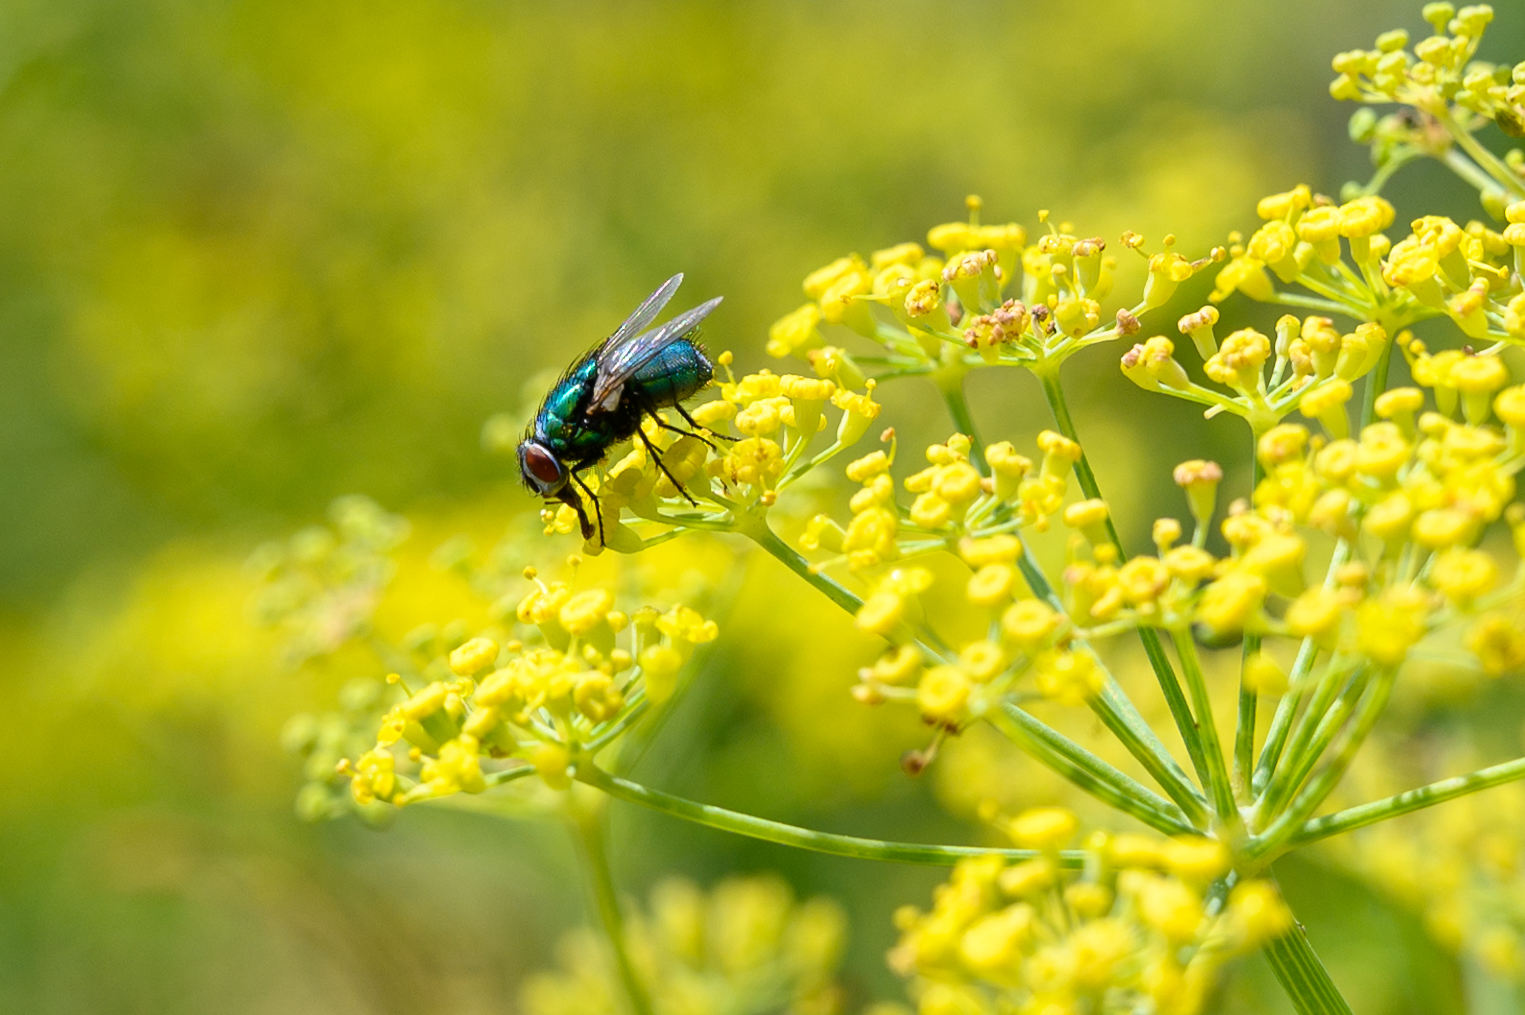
(254, 256)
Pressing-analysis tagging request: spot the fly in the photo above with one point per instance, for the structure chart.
(602, 398)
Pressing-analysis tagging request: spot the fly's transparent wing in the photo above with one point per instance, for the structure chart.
(616, 365)
(641, 317)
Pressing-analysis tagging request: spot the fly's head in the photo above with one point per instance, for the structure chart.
(540, 469)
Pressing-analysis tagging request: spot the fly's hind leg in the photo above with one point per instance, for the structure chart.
(657, 457)
(697, 426)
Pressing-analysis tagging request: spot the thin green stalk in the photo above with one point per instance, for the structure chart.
(1273, 840)
(1303, 976)
(1244, 725)
(768, 540)
(1499, 173)
(1164, 673)
(1286, 710)
(951, 384)
(1313, 303)
(1217, 773)
(1083, 474)
(1329, 727)
(1142, 742)
(1408, 802)
(792, 835)
(1376, 383)
(1089, 772)
(590, 835)
(1164, 770)
(1281, 785)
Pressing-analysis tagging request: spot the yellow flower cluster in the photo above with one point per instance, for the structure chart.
(1135, 931)
(759, 432)
(986, 296)
(747, 945)
(1439, 75)
(1309, 365)
(1467, 273)
(492, 709)
(952, 501)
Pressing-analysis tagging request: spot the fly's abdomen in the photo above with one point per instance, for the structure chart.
(672, 375)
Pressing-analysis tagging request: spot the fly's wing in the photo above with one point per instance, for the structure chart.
(616, 364)
(641, 317)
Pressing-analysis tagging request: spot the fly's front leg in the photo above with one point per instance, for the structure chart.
(571, 500)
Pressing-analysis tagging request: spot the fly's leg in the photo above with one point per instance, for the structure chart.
(693, 423)
(688, 433)
(574, 502)
(656, 457)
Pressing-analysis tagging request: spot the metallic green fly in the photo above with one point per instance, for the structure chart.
(602, 398)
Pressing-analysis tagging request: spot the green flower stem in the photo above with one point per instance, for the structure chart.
(950, 382)
(1089, 772)
(590, 835)
(1328, 728)
(1053, 392)
(1303, 976)
(1244, 731)
(1409, 801)
(1281, 722)
(1500, 174)
(1274, 839)
(1249, 701)
(1400, 156)
(605, 737)
(1312, 303)
(1115, 702)
(508, 775)
(1376, 383)
(1164, 771)
(1282, 785)
(1217, 773)
(800, 838)
(1115, 707)
(1286, 711)
(1467, 170)
(759, 532)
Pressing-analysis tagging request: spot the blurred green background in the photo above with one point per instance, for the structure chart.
(257, 255)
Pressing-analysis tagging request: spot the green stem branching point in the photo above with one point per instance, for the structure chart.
(792, 835)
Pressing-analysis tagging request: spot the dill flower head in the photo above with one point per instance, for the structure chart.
(747, 945)
(986, 297)
(559, 682)
(1134, 929)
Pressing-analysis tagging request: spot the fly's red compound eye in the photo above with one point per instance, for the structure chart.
(542, 466)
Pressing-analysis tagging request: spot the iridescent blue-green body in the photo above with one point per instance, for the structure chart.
(602, 398)
(579, 437)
